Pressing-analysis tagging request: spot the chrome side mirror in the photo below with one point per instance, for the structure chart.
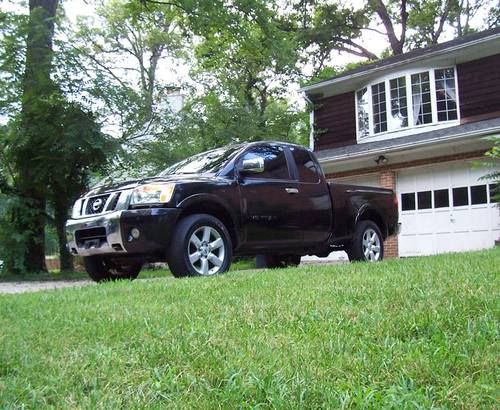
(253, 166)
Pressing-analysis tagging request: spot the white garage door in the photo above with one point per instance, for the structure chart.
(446, 208)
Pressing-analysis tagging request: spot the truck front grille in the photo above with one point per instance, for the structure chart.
(96, 204)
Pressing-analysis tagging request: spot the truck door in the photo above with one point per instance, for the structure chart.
(313, 198)
(270, 215)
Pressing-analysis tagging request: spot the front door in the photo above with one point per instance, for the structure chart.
(269, 205)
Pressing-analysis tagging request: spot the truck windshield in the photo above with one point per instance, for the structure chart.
(208, 162)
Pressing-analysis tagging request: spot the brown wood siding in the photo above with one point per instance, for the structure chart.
(479, 88)
(334, 119)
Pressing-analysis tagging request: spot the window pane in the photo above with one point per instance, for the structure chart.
(424, 200)
(408, 201)
(494, 193)
(363, 120)
(379, 108)
(305, 165)
(399, 106)
(446, 94)
(421, 98)
(460, 196)
(441, 198)
(275, 166)
(478, 195)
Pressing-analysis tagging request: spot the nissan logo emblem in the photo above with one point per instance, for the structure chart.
(97, 204)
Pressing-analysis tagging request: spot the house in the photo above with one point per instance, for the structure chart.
(417, 123)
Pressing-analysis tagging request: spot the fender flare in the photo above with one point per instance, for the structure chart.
(210, 199)
(367, 208)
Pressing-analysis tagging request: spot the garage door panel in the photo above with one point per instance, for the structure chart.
(408, 223)
(408, 246)
(444, 242)
(442, 222)
(460, 220)
(425, 224)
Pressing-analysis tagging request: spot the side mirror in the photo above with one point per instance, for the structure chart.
(252, 166)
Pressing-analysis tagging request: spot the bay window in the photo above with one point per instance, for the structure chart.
(409, 100)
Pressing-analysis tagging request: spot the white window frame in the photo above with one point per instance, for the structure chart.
(411, 128)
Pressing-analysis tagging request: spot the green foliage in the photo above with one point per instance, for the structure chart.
(13, 242)
(330, 27)
(13, 31)
(413, 333)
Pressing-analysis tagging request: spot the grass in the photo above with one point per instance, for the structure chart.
(416, 333)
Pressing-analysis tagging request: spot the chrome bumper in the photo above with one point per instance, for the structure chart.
(84, 240)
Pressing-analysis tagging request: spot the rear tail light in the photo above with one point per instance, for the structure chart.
(395, 200)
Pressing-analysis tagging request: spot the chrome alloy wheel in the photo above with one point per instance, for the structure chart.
(206, 250)
(371, 245)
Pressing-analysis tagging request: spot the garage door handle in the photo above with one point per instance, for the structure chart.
(292, 191)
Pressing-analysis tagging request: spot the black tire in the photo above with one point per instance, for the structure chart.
(101, 269)
(367, 244)
(205, 256)
(277, 261)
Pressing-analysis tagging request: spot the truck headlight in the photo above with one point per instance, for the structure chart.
(152, 194)
(77, 209)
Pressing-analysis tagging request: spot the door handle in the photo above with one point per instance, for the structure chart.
(292, 191)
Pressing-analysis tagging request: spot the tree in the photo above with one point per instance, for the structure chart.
(245, 67)
(50, 146)
(81, 149)
(326, 27)
(32, 128)
(123, 48)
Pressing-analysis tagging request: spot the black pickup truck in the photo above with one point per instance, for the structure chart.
(266, 198)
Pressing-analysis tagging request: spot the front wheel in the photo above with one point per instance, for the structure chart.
(201, 246)
(101, 269)
(367, 244)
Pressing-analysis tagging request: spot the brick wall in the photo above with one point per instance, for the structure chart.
(387, 179)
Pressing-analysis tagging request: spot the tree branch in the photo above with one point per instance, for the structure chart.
(381, 9)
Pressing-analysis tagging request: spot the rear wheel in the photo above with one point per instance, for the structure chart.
(367, 244)
(277, 261)
(102, 269)
(201, 247)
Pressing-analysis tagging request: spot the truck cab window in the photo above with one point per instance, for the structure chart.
(308, 171)
(275, 165)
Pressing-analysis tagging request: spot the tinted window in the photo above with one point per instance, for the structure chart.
(441, 198)
(424, 200)
(460, 196)
(478, 195)
(494, 193)
(275, 166)
(408, 201)
(305, 165)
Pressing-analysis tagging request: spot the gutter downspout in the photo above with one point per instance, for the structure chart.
(311, 122)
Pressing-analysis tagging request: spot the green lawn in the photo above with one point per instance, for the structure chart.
(416, 333)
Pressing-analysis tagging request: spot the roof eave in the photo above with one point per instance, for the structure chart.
(430, 55)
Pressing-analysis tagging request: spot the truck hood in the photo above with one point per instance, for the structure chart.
(131, 184)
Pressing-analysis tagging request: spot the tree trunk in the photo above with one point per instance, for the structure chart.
(65, 258)
(37, 88)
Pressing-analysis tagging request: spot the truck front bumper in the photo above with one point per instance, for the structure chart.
(140, 231)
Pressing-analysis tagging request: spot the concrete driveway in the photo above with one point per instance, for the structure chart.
(33, 286)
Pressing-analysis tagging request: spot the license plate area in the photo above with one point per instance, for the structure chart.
(91, 237)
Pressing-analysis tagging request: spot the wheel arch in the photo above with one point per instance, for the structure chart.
(368, 213)
(211, 205)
